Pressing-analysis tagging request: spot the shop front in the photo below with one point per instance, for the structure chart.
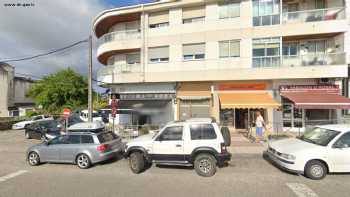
(239, 103)
(307, 105)
(194, 100)
(151, 104)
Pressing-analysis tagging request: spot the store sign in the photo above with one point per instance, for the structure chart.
(236, 86)
(159, 96)
(332, 89)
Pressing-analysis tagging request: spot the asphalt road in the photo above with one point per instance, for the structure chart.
(248, 175)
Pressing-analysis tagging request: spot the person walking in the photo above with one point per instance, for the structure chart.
(259, 125)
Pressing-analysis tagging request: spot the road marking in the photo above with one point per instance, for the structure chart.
(301, 190)
(12, 175)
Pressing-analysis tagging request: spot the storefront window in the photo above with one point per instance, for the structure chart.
(194, 109)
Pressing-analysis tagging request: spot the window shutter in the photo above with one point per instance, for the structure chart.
(193, 12)
(158, 17)
(194, 49)
(158, 52)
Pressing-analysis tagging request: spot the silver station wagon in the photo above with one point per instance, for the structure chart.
(81, 148)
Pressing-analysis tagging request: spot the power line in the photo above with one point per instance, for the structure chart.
(45, 54)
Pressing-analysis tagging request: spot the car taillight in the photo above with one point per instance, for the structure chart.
(102, 148)
(223, 148)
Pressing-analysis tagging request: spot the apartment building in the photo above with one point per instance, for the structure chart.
(179, 59)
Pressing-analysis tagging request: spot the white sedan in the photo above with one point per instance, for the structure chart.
(321, 150)
(23, 124)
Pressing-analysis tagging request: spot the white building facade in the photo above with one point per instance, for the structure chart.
(227, 59)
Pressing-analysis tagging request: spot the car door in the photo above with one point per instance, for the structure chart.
(339, 154)
(69, 150)
(169, 145)
(51, 152)
(35, 131)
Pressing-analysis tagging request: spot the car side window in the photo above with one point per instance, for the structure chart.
(202, 132)
(87, 139)
(63, 139)
(343, 141)
(73, 139)
(171, 134)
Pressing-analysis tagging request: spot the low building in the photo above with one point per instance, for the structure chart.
(13, 90)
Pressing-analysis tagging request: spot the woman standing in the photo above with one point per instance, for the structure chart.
(259, 125)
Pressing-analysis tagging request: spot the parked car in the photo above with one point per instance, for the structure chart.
(321, 150)
(81, 148)
(45, 129)
(23, 124)
(84, 116)
(73, 119)
(195, 142)
(93, 127)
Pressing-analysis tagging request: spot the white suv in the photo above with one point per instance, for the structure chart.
(195, 142)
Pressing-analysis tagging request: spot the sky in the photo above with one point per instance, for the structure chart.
(47, 25)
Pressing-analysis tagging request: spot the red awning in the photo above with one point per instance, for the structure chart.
(313, 100)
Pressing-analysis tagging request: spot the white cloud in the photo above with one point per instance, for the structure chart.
(47, 25)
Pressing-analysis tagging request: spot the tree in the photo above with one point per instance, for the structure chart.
(64, 89)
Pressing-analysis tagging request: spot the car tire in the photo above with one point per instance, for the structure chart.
(205, 165)
(33, 159)
(315, 170)
(137, 162)
(83, 161)
(27, 136)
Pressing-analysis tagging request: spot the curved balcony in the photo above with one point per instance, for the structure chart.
(118, 42)
(118, 73)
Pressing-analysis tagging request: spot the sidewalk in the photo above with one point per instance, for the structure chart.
(241, 145)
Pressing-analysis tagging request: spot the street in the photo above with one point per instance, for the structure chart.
(247, 175)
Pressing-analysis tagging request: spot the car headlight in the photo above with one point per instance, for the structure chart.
(288, 156)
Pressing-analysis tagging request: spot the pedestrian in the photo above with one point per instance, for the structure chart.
(259, 125)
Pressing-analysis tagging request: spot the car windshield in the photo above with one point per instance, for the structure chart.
(319, 136)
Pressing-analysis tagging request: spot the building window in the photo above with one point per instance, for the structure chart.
(194, 51)
(290, 49)
(158, 54)
(266, 52)
(229, 9)
(133, 58)
(158, 19)
(266, 12)
(229, 48)
(194, 109)
(193, 14)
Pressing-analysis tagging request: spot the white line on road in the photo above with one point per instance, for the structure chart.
(12, 175)
(301, 190)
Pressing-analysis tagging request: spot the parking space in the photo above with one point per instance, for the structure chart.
(246, 175)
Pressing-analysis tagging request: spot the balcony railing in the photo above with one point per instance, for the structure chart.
(120, 35)
(107, 74)
(314, 15)
(314, 59)
(300, 60)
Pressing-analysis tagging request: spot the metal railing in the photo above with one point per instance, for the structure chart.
(120, 35)
(314, 15)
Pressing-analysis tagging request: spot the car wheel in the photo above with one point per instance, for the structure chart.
(205, 165)
(33, 159)
(26, 134)
(83, 161)
(315, 170)
(137, 162)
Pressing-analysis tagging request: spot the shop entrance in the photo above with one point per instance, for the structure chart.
(241, 119)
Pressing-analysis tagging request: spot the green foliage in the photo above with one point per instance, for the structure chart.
(32, 113)
(64, 89)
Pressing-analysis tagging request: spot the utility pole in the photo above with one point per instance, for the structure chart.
(90, 105)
